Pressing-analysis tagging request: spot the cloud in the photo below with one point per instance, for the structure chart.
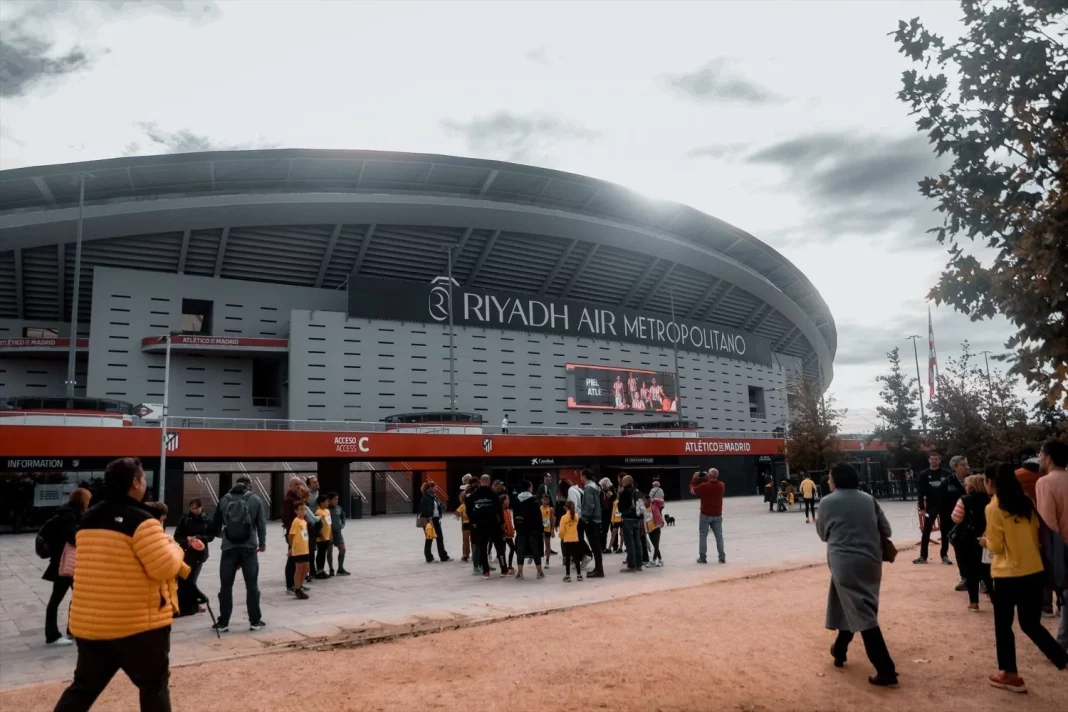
(858, 184)
(540, 55)
(517, 137)
(714, 83)
(184, 141)
(29, 57)
(717, 151)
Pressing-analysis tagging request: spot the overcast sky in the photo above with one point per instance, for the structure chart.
(778, 117)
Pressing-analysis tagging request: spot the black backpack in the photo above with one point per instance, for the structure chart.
(237, 519)
(43, 543)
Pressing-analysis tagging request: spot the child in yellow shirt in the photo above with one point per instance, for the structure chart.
(548, 524)
(299, 550)
(617, 522)
(431, 535)
(325, 537)
(569, 541)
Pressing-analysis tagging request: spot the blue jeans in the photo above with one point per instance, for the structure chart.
(716, 523)
(632, 537)
(230, 560)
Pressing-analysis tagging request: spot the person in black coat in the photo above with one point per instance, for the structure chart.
(57, 533)
(430, 509)
(194, 524)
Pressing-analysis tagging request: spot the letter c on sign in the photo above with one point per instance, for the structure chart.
(363, 444)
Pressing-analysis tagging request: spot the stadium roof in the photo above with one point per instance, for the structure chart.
(315, 217)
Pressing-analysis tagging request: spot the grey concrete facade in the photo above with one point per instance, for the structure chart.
(342, 369)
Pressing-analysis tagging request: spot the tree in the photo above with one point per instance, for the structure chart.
(977, 415)
(898, 412)
(1004, 120)
(812, 438)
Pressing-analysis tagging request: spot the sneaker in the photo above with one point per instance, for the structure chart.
(509, 572)
(1006, 681)
(625, 570)
(258, 625)
(541, 574)
(962, 586)
(946, 561)
(289, 590)
(579, 577)
(476, 572)
(466, 559)
(221, 627)
(321, 575)
(921, 560)
(60, 642)
(982, 587)
(485, 577)
(973, 607)
(343, 572)
(723, 560)
(301, 595)
(330, 574)
(595, 574)
(518, 575)
(446, 559)
(880, 680)
(567, 579)
(702, 561)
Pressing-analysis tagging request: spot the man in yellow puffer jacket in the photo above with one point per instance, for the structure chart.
(125, 594)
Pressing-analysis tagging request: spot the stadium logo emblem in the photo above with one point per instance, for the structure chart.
(487, 444)
(172, 442)
(438, 303)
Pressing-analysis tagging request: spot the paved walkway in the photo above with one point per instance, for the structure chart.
(393, 591)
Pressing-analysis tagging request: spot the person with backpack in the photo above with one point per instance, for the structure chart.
(241, 521)
(632, 523)
(56, 534)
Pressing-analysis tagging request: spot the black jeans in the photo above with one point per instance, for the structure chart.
(632, 538)
(810, 508)
(442, 554)
(654, 538)
(250, 570)
(605, 526)
(591, 531)
(486, 538)
(321, 547)
(874, 646)
(970, 559)
(145, 658)
(945, 524)
(60, 587)
(1022, 595)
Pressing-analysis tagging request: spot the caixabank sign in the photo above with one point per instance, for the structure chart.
(398, 300)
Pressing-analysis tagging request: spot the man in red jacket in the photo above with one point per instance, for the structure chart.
(710, 490)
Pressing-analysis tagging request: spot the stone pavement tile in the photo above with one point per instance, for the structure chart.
(391, 586)
(315, 630)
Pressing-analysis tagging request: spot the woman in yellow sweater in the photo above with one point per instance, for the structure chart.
(1012, 539)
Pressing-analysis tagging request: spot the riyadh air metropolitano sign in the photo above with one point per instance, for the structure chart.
(398, 300)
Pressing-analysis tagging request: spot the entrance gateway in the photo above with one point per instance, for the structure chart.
(378, 472)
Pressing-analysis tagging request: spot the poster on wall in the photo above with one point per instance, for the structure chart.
(624, 389)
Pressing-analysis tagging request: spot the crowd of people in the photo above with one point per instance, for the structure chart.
(1007, 527)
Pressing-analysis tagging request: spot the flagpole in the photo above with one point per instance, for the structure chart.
(919, 382)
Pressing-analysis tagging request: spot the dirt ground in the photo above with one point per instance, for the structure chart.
(754, 644)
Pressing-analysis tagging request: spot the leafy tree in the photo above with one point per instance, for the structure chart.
(977, 415)
(1002, 114)
(898, 412)
(812, 438)
(1049, 421)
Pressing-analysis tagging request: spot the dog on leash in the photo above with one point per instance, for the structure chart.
(669, 520)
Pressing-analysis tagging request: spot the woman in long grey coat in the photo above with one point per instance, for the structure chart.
(850, 521)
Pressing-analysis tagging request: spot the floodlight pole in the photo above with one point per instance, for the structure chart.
(73, 353)
(919, 383)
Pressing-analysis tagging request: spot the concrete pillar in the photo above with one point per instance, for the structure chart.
(334, 477)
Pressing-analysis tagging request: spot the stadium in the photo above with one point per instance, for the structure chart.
(307, 299)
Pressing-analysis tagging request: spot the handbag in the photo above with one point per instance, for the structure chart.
(67, 560)
(421, 522)
(888, 550)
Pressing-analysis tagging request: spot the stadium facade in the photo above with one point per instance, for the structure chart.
(312, 286)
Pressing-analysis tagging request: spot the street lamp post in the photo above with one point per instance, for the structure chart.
(678, 384)
(161, 485)
(452, 351)
(919, 383)
(73, 354)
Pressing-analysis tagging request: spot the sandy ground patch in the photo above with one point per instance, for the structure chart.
(754, 644)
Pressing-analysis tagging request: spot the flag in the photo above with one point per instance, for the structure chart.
(932, 357)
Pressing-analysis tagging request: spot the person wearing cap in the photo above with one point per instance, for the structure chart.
(240, 520)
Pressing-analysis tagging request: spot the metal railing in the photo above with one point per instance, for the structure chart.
(351, 426)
